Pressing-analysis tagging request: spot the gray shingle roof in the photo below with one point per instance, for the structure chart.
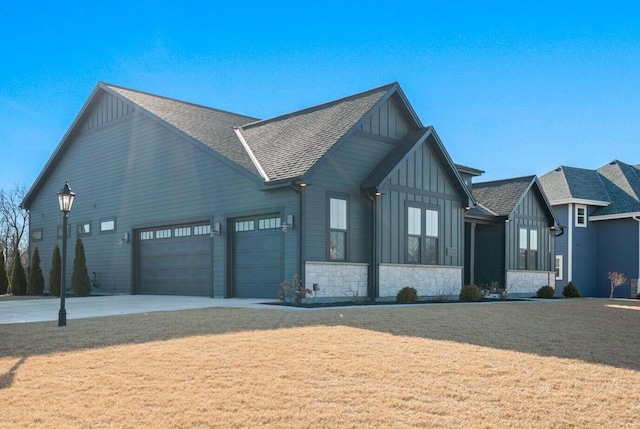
(566, 183)
(622, 183)
(502, 196)
(212, 127)
(289, 145)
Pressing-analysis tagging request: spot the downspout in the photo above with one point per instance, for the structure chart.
(637, 219)
(570, 243)
(373, 282)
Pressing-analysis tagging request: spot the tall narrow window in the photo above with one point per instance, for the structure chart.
(581, 215)
(422, 236)
(414, 235)
(532, 263)
(431, 237)
(523, 247)
(337, 229)
(558, 267)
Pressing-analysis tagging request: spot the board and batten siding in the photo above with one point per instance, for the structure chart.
(420, 179)
(529, 213)
(341, 175)
(386, 121)
(141, 174)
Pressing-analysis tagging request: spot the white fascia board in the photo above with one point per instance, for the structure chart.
(615, 216)
(251, 155)
(580, 201)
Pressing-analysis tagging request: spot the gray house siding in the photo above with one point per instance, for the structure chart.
(562, 243)
(341, 176)
(583, 254)
(386, 121)
(140, 174)
(420, 180)
(617, 250)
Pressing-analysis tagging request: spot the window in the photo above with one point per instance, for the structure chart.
(60, 231)
(202, 229)
(422, 243)
(182, 231)
(337, 229)
(244, 225)
(108, 225)
(163, 233)
(271, 223)
(558, 267)
(84, 228)
(527, 249)
(581, 215)
(36, 234)
(146, 235)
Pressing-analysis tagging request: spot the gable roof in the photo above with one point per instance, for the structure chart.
(574, 185)
(380, 175)
(288, 146)
(501, 197)
(622, 183)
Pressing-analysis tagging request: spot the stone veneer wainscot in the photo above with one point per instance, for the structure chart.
(428, 280)
(337, 279)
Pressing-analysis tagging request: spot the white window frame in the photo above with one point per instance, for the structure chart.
(108, 225)
(559, 266)
(579, 223)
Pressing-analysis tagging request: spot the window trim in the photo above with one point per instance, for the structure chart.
(329, 230)
(584, 217)
(35, 230)
(79, 226)
(107, 220)
(559, 267)
(530, 230)
(59, 231)
(424, 236)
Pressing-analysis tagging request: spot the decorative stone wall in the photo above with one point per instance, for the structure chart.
(528, 282)
(337, 279)
(428, 280)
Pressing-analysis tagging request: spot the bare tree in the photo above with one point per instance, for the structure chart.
(14, 223)
(616, 279)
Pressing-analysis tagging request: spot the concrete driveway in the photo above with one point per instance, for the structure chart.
(42, 310)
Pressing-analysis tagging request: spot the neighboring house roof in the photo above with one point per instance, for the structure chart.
(574, 185)
(613, 188)
(380, 175)
(288, 146)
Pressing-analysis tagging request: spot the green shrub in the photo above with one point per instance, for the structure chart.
(407, 295)
(80, 282)
(35, 283)
(4, 280)
(55, 272)
(546, 292)
(18, 278)
(571, 291)
(470, 293)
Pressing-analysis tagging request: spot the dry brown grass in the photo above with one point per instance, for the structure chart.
(570, 363)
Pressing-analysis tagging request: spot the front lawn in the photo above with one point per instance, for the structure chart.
(563, 363)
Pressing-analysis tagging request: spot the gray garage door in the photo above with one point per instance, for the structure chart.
(175, 260)
(257, 257)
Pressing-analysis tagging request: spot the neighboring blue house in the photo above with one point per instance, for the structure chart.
(510, 235)
(355, 195)
(600, 210)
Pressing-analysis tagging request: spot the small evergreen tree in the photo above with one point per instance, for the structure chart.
(18, 278)
(4, 280)
(80, 282)
(55, 272)
(35, 284)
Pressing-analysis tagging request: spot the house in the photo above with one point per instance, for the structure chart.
(600, 210)
(510, 235)
(354, 195)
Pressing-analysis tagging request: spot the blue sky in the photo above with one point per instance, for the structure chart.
(512, 88)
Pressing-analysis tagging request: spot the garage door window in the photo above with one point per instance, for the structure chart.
(163, 233)
(183, 231)
(244, 225)
(271, 223)
(146, 235)
(202, 229)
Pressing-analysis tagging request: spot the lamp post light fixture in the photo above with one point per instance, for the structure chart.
(65, 201)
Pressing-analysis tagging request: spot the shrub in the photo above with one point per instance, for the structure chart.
(55, 272)
(35, 283)
(571, 291)
(18, 278)
(546, 292)
(470, 293)
(407, 295)
(80, 282)
(293, 291)
(4, 280)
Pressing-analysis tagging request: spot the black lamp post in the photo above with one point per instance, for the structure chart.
(65, 201)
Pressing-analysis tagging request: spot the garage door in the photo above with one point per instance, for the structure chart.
(257, 257)
(175, 260)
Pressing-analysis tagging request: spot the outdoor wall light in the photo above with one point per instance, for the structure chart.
(288, 223)
(65, 202)
(216, 231)
(124, 239)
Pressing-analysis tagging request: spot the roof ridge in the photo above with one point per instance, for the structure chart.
(110, 85)
(323, 105)
(530, 177)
